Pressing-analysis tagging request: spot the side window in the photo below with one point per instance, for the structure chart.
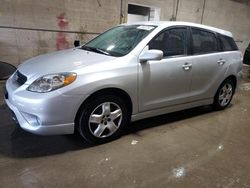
(203, 42)
(228, 43)
(172, 42)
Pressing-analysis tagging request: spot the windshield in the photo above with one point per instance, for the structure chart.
(118, 41)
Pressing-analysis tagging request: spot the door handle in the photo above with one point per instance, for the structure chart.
(187, 66)
(221, 62)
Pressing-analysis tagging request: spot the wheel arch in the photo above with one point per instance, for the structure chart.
(233, 79)
(112, 90)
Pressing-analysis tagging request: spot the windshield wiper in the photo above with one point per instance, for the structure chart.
(98, 50)
(102, 51)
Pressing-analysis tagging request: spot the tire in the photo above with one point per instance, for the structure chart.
(224, 95)
(102, 119)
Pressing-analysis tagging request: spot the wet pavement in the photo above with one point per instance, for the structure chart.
(192, 148)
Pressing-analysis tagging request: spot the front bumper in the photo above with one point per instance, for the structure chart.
(50, 113)
(40, 129)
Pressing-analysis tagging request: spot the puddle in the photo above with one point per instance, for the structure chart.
(245, 87)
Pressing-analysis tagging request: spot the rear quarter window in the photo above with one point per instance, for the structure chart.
(228, 43)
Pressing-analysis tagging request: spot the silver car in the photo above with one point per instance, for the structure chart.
(130, 72)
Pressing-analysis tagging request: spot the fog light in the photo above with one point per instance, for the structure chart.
(31, 119)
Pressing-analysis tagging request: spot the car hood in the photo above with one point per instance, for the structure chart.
(60, 61)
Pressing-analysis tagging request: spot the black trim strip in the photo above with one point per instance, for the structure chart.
(20, 78)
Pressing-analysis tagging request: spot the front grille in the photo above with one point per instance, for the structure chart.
(20, 78)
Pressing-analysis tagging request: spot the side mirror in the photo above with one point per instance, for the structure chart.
(76, 43)
(151, 55)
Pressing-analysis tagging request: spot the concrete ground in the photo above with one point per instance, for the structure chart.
(192, 148)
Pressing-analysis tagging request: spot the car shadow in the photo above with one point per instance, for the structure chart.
(16, 143)
(166, 119)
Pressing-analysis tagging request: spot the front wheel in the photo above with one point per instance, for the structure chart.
(102, 119)
(224, 95)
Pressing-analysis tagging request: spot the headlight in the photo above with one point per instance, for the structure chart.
(52, 82)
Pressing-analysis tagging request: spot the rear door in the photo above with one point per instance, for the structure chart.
(209, 63)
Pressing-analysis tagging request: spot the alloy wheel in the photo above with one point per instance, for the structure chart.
(105, 119)
(225, 94)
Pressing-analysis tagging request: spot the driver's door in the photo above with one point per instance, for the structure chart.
(166, 82)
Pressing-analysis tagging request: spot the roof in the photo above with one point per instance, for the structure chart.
(164, 24)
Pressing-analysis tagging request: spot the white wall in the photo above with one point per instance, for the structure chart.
(136, 18)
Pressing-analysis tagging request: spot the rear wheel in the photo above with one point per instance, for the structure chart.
(102, 119)
(224, 95)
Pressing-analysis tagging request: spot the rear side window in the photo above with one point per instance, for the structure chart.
(203, 42)
(228, 43)
(172, 42)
